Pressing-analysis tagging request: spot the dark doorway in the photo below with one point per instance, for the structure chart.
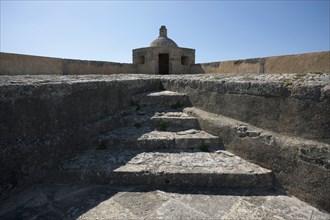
(163, 63)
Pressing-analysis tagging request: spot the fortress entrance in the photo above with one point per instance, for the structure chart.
(163, 64)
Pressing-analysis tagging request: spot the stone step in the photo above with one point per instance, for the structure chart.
(94, 201)
(174, 121)
(218, 169)
(146, 138)
(174, 100)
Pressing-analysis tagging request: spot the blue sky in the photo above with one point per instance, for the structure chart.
(218, 30)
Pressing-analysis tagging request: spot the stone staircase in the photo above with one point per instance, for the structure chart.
(161, 146)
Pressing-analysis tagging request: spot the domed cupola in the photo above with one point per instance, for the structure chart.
(163, 40)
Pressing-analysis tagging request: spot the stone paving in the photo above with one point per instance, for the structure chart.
(58, 201)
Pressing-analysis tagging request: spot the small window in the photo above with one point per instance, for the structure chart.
(184, 60)
(141, 60)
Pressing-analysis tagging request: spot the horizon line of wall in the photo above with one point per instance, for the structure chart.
(19, 64)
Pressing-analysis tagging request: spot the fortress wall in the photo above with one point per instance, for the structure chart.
(239, 66)
(83, 67)
(298, 63)
(45, 119)
(17, 64)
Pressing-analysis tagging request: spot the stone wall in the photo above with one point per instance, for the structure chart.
(16, 64)
(234, 66)
(279, 121)
(84, 67)
(298, 63)
(293, 104)
(45, 119)
(300, 166)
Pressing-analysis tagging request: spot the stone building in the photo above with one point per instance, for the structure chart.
(163, 56)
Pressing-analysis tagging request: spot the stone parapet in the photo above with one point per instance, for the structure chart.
(18, 64)
(297, 63)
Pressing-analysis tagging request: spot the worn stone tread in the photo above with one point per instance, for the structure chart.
(190, 168)
(174, 120)
(162, 98)
(153, 116)
(73, 201)
(146, 137)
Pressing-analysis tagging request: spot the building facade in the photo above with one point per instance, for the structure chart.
(163, 56)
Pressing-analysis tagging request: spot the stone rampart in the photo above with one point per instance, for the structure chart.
(83, 67)
(17, 64)
(297, 63)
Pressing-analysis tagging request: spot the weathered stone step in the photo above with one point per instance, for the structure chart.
(94, 201)
(146, 138)
(194, 169)
(174, 121)
(162, 98)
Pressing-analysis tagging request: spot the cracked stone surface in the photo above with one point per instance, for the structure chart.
(220, 161)
(148, 138)
(162, 93)
(162, 98)
(309, 78)
(172, 114)
(174, 121)
(163, 167)
(60, 201)
(153, 116)
(217, 162)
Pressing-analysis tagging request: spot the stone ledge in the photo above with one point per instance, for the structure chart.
(301, 86)
(301, 166)
(295, 104)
